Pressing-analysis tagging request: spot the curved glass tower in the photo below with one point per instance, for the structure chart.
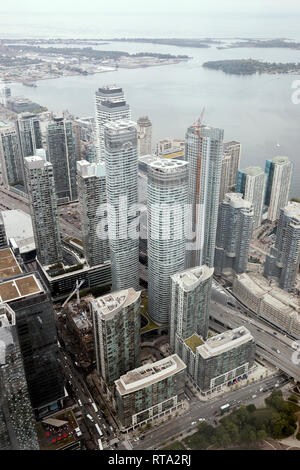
(167, 195)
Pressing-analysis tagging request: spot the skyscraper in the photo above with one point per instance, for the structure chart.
(110, 106)
(252, 183)
(28, 297)
(190, 303)
(166, 204)
(10, 155)
(28, 126)
(144, 136)
(62, 152)
(233, 150)
(279, 175)
(283, 261)
(203, 151)
(121, 164)
(234, 234)
(92, 206)
(225, 177)
(17, 427)
(117, 324)
(43, 208)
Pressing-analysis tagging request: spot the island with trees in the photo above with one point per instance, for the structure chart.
(251, 66)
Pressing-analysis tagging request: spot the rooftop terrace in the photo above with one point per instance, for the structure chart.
(193, 342)
(149, 374)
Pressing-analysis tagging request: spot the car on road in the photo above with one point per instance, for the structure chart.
(193, 422)
(278, 352)
(254, 396)
(201, 420)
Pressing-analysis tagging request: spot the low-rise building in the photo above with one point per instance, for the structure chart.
(59, 431)
(61, 281)
(268, 301)
(19, 232)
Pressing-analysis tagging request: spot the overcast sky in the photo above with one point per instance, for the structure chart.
(256, 7)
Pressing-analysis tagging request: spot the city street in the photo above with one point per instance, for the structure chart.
(198, 409)
(84, 399)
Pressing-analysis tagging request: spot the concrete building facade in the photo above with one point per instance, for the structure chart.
(270, 302)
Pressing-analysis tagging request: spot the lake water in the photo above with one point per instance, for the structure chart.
(255, 110)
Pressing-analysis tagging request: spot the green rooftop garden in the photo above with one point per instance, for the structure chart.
(144, 311)
(193, 342)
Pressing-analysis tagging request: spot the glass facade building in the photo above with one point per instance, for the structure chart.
(167, 193)
(117, 324)
(150, 391)
(10, 155)
(17, 425)
(43, 207)
(278, 172)
(121, 165)
(93, 211)
(204, 152)
(190, 303)
(251, 183)
(110, 106)
(62, 153)
(235, 221)
(283, 261)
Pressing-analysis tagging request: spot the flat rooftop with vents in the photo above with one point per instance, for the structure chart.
(108, 305)
(224, 342)
(149, 374)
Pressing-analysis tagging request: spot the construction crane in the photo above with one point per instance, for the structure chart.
(197, 124)
(76, 290)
